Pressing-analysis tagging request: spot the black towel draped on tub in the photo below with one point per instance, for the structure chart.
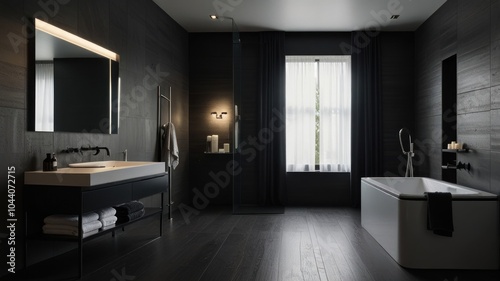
(440, 213)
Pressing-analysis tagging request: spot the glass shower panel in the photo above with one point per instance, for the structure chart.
(237, 93)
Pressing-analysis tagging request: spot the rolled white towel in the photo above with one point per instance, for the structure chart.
(86, 227)
(48, 230)
(108, 220)
(108, 226)
(71, 220)
(106, 212)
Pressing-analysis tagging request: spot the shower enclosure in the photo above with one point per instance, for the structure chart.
(246, 132)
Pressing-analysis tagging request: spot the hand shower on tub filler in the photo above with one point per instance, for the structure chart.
(409, 154)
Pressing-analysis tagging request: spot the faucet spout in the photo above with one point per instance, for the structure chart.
(97, 149)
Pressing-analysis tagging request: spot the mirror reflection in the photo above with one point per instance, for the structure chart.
(76, 84)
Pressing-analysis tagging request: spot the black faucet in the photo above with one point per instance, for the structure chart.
(71, 150)
(458, 166)
(463, 166)
(97, 149)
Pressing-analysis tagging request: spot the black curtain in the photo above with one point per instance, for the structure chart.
(271, 134)
(366, 151)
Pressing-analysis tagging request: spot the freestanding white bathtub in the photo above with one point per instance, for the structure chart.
(394, 212)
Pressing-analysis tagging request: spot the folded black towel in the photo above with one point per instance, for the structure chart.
(128, 208)
(440, 213)
(131, 216)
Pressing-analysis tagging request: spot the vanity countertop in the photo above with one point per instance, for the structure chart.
(94, 173)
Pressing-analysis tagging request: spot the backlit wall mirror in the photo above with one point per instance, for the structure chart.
(73, 84)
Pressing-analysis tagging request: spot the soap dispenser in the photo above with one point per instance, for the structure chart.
(54, 162)
(47, 163)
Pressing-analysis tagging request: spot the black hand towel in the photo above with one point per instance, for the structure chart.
(440, 213)
(131, 216)
(128, 208)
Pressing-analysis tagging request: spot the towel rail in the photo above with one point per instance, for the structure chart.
(160, 144)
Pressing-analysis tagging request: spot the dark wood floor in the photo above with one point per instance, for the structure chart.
(302, 244)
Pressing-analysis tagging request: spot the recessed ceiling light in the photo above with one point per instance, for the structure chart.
(394, 17)
(214, 17)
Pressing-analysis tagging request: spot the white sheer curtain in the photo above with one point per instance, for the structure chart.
(331, 76)
(335, 114)
(44, 98)
(300, 113)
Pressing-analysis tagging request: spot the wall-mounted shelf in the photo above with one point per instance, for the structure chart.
(465, 150)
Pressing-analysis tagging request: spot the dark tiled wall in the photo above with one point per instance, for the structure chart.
(147, 40)
(211, 89)
(470, 29)
(397, 74)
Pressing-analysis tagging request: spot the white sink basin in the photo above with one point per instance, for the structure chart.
(94, 173)
(87, 165)
(112, 164)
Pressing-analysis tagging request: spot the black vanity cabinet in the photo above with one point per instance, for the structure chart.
(44, 200)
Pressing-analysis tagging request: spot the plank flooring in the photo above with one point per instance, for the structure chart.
(319, 243)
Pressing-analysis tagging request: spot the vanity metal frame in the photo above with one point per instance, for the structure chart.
(43, 200)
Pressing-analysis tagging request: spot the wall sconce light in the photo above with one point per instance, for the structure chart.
(218, 116)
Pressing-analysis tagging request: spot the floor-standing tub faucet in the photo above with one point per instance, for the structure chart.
(409, 154)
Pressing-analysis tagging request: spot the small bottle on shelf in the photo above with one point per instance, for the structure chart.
(209, 144)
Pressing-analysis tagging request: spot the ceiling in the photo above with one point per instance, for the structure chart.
(300, 15)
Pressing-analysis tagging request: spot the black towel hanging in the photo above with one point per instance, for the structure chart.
(440, 213)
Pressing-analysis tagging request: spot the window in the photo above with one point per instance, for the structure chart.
(318, 113)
